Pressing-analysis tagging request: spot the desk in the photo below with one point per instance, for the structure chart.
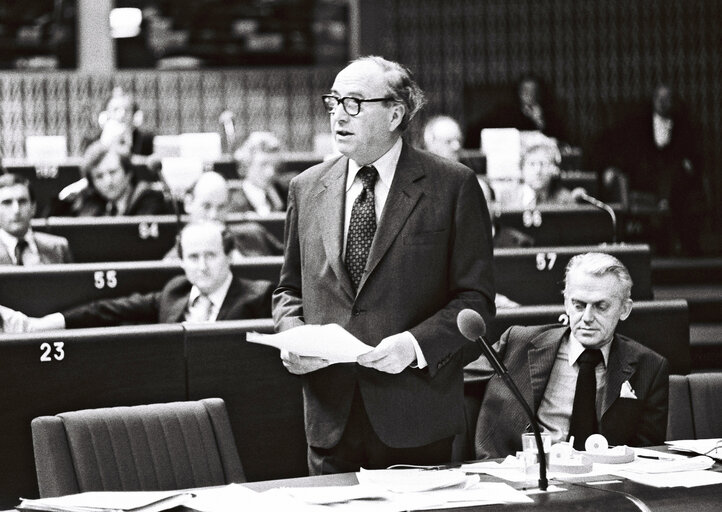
(700, 499)
(44, 289)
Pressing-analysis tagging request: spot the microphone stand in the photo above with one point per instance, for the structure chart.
(602, 206)
(501, 370)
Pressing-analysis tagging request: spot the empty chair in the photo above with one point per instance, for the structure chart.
(679, 418)
(141, 448)
(705, 391)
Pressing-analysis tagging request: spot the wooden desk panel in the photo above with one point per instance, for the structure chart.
(559, 226)
(536, 275)
(263, 400)
(52, 372)
(40, 290)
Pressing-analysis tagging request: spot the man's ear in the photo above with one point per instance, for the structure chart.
(626, 309)
(396, 114)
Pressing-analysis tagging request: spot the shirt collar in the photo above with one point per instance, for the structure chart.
(10, 241)
(385, 166)
(575, 349)
(217, 297)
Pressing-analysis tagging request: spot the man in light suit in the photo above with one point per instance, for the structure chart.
(394, 276)
(630, 380)
(19, 244)
(207, 292)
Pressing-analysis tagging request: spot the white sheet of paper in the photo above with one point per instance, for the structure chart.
(227, 499)
(331, 342)
(109, 500)
(711, 447)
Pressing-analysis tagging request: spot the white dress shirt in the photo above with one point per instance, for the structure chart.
(555, 408)
(386, 167)
(257, 197)
(662, 130)
(31, 256)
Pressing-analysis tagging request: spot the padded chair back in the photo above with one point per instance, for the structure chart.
(705, 390)
(680, 424)
(141, 448)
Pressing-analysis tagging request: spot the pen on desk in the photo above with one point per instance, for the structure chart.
(655, 457)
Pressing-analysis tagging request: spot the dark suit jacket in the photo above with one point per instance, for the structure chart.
(51, 249)
(239, 202)
(431, 257)
(144, 200)
(245, 299)
(529, 354)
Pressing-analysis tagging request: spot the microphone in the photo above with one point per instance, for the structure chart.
(229, 129)
(580, 195)
(472, 327)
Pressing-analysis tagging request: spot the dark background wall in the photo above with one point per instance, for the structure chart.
(598, 56)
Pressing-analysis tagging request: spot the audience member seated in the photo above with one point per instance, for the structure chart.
(540, 181)
(120, 125)
(110, 187)
(579, 379)
(531, 110)
(442, 136)
(208, 200)
(258, 158)
(19, 244)
(207, 292)
(657, 150)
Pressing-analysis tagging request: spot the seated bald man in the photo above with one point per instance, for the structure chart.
(209, 199)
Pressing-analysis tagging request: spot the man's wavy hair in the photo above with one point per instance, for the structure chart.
(402, 86)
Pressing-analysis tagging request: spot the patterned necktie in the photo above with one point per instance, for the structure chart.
(362, 227)
(111, 209)
(202, 308)
(583, 422)
(20, 250)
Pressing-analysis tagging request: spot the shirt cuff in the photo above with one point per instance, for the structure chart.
(420, 359)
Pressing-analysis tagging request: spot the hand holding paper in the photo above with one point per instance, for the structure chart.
(330, 342)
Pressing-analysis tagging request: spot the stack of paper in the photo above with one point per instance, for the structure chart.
(109, 502)
(710, 447)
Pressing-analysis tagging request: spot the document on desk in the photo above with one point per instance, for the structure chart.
(709, 447)
(141, 501)
(330, 341)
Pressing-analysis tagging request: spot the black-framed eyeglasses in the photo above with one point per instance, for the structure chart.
(352, 106)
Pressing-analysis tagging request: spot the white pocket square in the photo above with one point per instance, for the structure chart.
(627, 391)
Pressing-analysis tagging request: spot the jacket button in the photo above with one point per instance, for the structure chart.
(355, 312)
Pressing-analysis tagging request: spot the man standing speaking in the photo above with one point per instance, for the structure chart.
(391, 243)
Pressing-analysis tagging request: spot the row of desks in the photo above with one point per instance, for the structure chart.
(51, 372)
(528, 276)
(98, 239)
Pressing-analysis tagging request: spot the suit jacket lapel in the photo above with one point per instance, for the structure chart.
(620, 369)
(403, 195)
(234, 291)
(331, 201)
(542, 354)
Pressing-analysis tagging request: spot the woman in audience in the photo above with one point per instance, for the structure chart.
(540, 180)
(258, 158)
(109, 188)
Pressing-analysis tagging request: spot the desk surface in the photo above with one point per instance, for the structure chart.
(576, 497)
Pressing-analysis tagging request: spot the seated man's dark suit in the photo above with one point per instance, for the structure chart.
(245, 299)
(529, 354)
(51, 249)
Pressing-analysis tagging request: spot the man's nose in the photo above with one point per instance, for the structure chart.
(339, 113)
(588, 315)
